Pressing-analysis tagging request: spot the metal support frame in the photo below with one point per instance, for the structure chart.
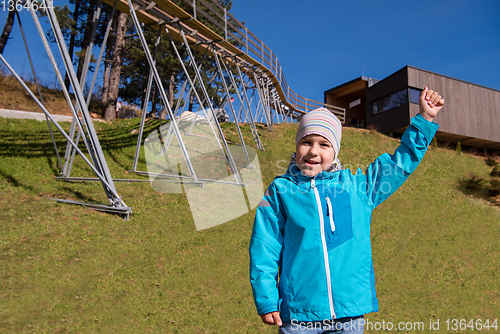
(117, 204)
(218, 62)
(70, 153)
(263, 92)
(173, 126)
(145, 105)
(159, 84)
(249, 111)
(96, 150)
(189, 132)
(97, 161)
(228, 155)
(38, 86)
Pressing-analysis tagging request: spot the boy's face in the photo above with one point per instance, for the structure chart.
(314, 154)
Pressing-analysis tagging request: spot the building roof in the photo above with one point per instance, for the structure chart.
(371, 81)
(444, 76)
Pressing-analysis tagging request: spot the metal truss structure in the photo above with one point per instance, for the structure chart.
(252, 83)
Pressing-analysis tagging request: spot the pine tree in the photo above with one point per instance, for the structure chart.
(107, 69)
(136, 69)
(73, 33)
(76, 25)
(116, 65)
(7, 29)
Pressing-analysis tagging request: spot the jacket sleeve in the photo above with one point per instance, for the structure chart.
(389, 171)
(265, 251)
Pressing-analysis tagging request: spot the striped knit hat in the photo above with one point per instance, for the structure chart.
(321, 122)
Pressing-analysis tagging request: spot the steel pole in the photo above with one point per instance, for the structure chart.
(160, 86)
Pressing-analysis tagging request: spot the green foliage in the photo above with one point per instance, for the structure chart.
(491, 161)
(66, 268)
(434, 143)
(75, 25)
(64, 19)
(494, 187)
(495, 171)
(481, 186)
(135, 69)
(97, 107)
(474, 183)
(459, 147)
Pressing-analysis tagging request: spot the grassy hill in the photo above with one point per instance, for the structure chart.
(66, 268)
(13, 96)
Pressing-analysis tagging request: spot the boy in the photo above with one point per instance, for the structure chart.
(311, 266)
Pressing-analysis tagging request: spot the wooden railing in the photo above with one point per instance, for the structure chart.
(238, 34)
(232, 35)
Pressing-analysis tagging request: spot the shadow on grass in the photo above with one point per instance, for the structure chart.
(481, 188)
(80, 197)
(12, 180)
(31, 139)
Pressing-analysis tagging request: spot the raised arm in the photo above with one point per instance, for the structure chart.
(389, 171)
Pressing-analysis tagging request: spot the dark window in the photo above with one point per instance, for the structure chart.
(375, 107)
(391, 101)
(415, 95)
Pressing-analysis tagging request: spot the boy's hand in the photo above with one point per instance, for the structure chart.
(430, 104)
(272, 318)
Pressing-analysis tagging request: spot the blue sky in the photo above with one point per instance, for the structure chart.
(323, 43)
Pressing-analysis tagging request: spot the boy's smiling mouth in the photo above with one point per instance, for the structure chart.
(311, 162)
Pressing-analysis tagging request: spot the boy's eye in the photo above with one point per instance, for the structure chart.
(325, 144)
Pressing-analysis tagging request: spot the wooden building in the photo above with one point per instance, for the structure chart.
(471, 112)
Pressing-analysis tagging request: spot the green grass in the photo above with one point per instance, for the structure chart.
(66, 268)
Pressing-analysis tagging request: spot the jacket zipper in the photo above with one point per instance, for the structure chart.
(330, 213)
(325, 249)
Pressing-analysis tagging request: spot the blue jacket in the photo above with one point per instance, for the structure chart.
(312, 235)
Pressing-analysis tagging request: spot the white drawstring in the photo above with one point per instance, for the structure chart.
(330, 213)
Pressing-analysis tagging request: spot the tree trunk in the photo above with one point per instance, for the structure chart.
(6, 30)
(171, 89)
(86, 40)
(171, 96)
(114, 77)
(191, 101)
(71, 49)
(105, 82)
(107, 69)
(153, 99)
